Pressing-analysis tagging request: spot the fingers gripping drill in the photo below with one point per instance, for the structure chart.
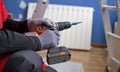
(57, 54)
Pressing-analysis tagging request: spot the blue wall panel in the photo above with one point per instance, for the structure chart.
(98, 35)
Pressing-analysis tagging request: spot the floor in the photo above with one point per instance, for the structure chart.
(94, 60)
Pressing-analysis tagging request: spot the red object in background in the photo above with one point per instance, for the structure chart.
(44, 67)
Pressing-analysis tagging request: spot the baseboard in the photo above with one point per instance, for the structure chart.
(99, 45)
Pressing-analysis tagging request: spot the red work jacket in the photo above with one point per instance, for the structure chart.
(3, 17)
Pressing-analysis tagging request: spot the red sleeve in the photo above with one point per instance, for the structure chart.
(3, 13)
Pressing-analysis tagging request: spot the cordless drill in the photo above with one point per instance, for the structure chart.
(58, 25)
(57, 54)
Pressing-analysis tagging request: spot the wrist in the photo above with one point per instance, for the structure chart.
(29, 21)
(31, 25)
(38, 43)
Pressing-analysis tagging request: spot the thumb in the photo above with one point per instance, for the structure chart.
(48, 23)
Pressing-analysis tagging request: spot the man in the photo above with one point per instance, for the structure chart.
(17, 51)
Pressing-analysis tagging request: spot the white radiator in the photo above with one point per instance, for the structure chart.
(78, 36)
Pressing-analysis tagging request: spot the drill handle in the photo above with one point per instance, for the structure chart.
(40, 29)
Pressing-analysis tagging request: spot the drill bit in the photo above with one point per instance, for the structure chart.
(75, 23)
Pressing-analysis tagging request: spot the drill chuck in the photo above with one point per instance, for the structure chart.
(63, 25)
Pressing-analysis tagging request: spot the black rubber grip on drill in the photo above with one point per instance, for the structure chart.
(63, 25)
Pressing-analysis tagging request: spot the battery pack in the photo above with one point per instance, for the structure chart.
(58, 55)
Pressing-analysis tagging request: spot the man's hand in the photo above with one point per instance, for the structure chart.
(37, 21)
(49, 39)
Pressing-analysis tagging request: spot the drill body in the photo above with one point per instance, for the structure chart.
(58, 25)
